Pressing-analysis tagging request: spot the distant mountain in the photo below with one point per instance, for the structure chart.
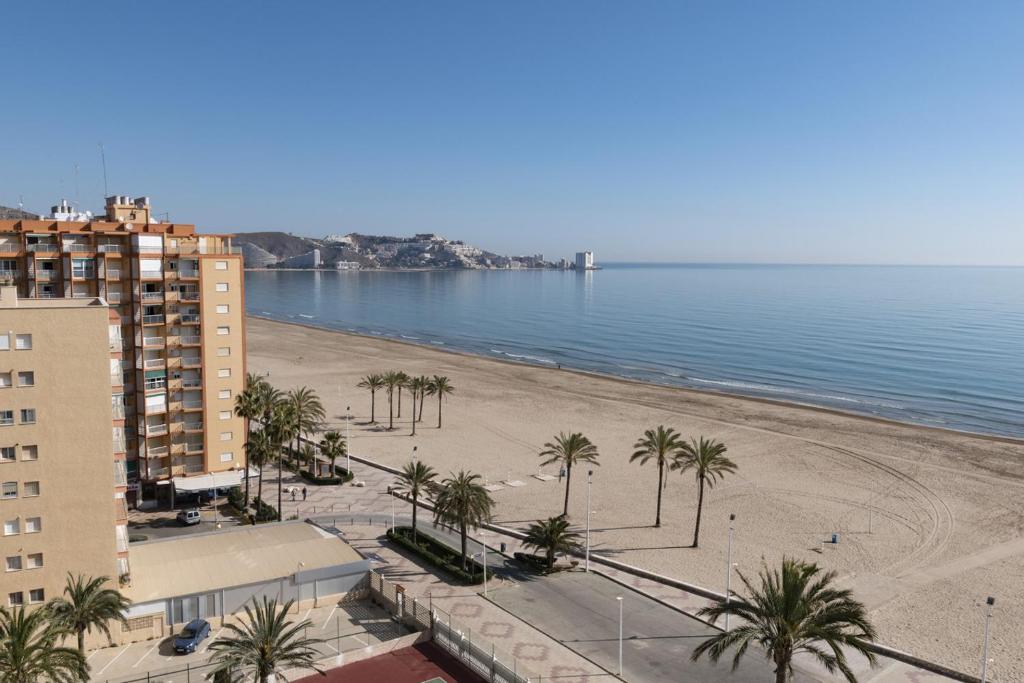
(9, 214)
(422, 251)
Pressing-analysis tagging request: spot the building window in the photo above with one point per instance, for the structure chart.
(13, 563)
(26, 379)
(226, 436)
(9, 489)
(12, 527)
(220, 265)
(223, 351)
(36, 595)
(5, 380)
(7, 454)
(224, 393)
(6, 418)
(224, 372)
(16, 599)
(33, 525)
(30, 452)
(35, 560)
(227, 457)
(28, 416)
(23, 342)
(5, 342)
(225, 414)
(223, 308)
(222, 287)
(31, 489)
(223, 330)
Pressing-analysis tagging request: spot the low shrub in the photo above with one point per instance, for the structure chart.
(535, 562)
(264, 511)
(438, 554)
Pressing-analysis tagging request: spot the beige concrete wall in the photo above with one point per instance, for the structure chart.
(71, 361)
(217, 270)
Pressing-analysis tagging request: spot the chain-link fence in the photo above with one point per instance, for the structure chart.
(479, 654)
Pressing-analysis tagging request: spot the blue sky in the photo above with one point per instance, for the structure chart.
(868, 132)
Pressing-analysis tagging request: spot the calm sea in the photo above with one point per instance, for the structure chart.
(931, 345)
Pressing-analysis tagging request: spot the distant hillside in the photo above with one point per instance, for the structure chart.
(9, 214)
(281, 244)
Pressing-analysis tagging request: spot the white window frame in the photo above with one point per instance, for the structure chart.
(38, 521)
(26, 374)
(221, 287)
(20, 342)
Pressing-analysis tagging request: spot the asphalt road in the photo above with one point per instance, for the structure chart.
(581, 611)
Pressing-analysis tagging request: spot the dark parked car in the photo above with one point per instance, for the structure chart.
(190, 637)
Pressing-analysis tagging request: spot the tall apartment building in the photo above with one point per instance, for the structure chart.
(179, 299)
(63, 478)
(584, 260)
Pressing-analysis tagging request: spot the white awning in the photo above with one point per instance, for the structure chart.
(214, 480)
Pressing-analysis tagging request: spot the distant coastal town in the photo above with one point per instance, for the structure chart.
(423, 251)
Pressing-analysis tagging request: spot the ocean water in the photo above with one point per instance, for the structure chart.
(940, 346)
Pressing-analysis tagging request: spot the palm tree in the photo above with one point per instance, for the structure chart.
(416, 387)
(403, 382)
(426, 390)
(373, 383)
(462, 501)
(86, 605)
(259, 451)
(265, 644)
(441, 387)
(308, 456)
(249, 406)
(282, 428)
(309, 412)
(569, 450)
(333, 446)
(391, 381)
(417, 478)
(794, 610)
(661, 444)
(552, 535)
(707, 460)
(29, 650)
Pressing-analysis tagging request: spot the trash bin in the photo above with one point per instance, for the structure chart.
(835, 539)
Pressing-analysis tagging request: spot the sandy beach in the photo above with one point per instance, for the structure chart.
(930, 522)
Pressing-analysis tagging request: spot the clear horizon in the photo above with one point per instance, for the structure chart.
(797, 133)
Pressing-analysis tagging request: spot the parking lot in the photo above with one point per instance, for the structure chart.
(342, 628)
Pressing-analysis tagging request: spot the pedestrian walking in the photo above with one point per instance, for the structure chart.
(303, 493)
(293, 495)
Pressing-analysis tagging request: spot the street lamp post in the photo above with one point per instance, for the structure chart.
(414, 453)
(590, 481)
(619, 598)
(392, 508)
(990, 601)
(728, 570)
(348, 439)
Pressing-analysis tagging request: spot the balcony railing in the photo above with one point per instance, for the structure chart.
(192, 383)
(157, 451)
(193, 448)
(118, 411)
(190, 339)
(42, 248)
(9, 274)
(109, 248)
(156, 383)
(193, 469)
(189, 273)
(191, 362)
(46, 275)
(156, 472)
(188, 296)
(147, 249)
(154, 364)
(73, 248)
(155, 430)
(152, 320)
(113, 274)
(192, 426)
(116, 379)
(189, 318)
(152, 296)
(120, 509)
(192, 405)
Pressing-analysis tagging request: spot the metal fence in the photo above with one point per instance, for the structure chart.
(479, 654)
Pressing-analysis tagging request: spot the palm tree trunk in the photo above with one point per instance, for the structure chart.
(415, 497)
(568, 476)
(414, 413)
(781, 673)
(399, 401)
(423, 399)
(439, 410)
(462, 532)
(661, 472)
(259, 491)
(81, 640)
(248, 434)
(391, 410)
(551, 558)
(700, 504)
(280, 468)
(373, 406)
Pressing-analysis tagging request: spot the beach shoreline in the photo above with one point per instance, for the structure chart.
(827, 410)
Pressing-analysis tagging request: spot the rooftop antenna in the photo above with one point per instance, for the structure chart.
(103, 158)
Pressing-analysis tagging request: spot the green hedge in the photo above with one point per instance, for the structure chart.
(438, 554)
(264, 511)
(535, 562)
(342, 476)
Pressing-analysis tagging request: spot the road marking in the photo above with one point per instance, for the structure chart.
(328, 619)
(308, 612)
(210, 639)
(148, 653)
(119, 654)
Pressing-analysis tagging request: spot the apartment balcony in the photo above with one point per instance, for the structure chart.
(46, 275)
(188, 274)
(78, 248)
(42, 248)
(157, 451)
(153, 319)
(152, 296)
(109, 248)
(192, 427)
(192, 384)
(151, 275)
(116, 379)
(146, 249)
(9, 274)
(194, 469)
(154, 384)
(113, 274)
(153, 430)
(192, 405)
(189, 318)
(188, 296)
(153, 342)
(120, 509)
(190, 340)
(154, 364)
(113, 297)
(158, 472)
(191, 362)
(193, 448)
(118, 411)
(170, 295)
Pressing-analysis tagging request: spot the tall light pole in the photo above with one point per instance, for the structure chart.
(990, 601)
(414, 453)
(590, 481)
(619, 598)
(348, 440)
(728, 570)
(392, 492)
